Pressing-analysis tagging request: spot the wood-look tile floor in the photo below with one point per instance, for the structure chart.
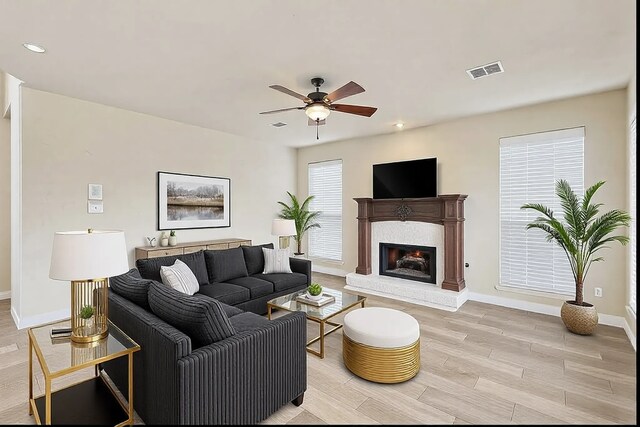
(483, 364)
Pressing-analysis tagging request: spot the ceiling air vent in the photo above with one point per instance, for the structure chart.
(278, 125)
(485, 70)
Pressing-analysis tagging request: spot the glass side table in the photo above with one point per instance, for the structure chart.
(92, 401)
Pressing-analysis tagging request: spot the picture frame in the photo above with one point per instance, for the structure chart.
(193, 201)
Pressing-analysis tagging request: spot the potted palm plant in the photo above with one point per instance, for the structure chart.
(304, 219)
(581, 235)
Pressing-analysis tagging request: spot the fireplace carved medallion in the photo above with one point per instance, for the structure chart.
(446, 210)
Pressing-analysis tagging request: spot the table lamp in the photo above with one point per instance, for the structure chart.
(88, 259)
(284, 228)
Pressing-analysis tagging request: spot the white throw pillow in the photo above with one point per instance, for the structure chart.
(180, 277)
(276, 261)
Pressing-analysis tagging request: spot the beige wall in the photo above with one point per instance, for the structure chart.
(5, 196)
(468, 162)
(68, 143)
(631, 114)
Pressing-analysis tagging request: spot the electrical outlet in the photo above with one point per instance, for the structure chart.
(598, 292)
(95, 206)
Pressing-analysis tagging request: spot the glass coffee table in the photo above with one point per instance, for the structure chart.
(321, 315)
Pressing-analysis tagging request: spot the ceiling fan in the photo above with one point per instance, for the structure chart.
(318, 105)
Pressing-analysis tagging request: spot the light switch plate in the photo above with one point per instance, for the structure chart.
(95, 207)
(95, 192)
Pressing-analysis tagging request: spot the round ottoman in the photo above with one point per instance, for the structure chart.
(381, 344)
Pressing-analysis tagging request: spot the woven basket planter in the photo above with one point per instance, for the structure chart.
(579, 319)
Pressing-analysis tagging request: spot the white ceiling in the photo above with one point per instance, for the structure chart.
(209, 63)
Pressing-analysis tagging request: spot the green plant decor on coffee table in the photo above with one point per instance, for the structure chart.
(301, 215)
(314, 289)
(583, 232)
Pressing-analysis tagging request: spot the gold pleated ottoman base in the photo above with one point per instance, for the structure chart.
(381, 365)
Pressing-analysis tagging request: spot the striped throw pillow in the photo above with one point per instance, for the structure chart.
(180, 277)
(276, 261)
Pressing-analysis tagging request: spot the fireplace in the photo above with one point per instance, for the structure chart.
(408, 262)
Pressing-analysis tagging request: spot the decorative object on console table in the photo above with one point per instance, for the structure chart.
(173, 239)
(164, 240)
(581, 235)
(152, 241)
(284, 229)
(300, 214)
(193, 201)
(88, 259)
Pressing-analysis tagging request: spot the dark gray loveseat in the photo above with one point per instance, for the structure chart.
(241, 379)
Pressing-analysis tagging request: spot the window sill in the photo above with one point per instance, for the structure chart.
(325, 260)
(552, 295)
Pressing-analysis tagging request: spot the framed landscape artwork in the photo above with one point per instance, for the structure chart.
(193, 201)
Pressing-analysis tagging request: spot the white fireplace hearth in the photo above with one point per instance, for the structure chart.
(407, 290)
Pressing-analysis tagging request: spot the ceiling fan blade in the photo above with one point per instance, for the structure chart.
(351, 88)
(320, 123)
(290, 92)
(282, 109)
(353, 109)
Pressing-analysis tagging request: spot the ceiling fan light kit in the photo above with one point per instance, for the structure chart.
(320, 104)
(317, 111)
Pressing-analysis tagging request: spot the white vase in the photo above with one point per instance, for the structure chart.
(164, 241)
(173, 240)
(314, 297)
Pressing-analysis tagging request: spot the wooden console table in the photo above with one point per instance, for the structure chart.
(447, 210)
(144, 252)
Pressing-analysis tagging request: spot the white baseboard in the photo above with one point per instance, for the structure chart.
(5, 295)
(39, 319)
(603, 319)
(328, 270)
(627, 328)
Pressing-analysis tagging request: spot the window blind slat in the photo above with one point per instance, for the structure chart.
(530, 166)
(325, 184)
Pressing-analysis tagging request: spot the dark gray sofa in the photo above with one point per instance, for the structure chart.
(241, 379)
(234, 276)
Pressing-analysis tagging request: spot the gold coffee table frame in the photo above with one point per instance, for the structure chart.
(321, 315)
(62, 357)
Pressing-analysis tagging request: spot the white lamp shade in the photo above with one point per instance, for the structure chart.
(317, 111)
(283, 227)
(83, 255)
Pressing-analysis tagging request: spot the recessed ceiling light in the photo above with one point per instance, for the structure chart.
(399, 125)
(34, 47)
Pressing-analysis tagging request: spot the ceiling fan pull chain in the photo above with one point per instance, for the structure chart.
(317, 126)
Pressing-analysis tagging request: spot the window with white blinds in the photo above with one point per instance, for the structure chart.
(325, 184)
(530, 165)
(632, 229)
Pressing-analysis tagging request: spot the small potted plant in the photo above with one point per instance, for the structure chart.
(173, 239)
(314, 291)
(86, 314)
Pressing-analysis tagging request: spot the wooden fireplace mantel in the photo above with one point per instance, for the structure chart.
(447, 210)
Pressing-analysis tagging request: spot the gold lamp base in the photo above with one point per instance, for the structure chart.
(284, 242)
(89, 304)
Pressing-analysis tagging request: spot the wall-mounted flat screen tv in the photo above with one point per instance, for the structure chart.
(405, 180)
